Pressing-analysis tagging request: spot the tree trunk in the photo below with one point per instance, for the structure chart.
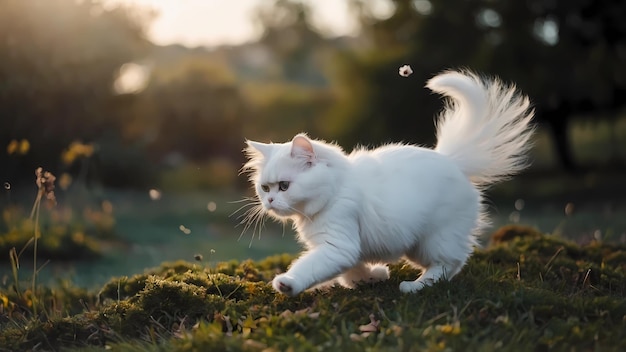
(559, 121)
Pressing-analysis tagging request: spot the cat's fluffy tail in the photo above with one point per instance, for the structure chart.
(485, 126)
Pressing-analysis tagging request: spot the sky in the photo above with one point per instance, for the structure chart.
(230, 22)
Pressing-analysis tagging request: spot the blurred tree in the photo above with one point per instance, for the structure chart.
(297, 94)
(567, 55)
(282, 110)
(570, 59)
(58, 62)
(292, 41)
(197, 110)
(381, 106)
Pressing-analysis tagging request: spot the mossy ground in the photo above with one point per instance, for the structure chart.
(525, 291)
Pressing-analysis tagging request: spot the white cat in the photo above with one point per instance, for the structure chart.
(356, 212)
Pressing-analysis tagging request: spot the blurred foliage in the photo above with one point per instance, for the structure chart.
(66, 233)
(76, 74)
(196, 110)
(293, 42)
(58, 64)
(57, 232)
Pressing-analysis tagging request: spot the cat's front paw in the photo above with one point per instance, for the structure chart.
(287, 285)
(379, 273)
(411, 286)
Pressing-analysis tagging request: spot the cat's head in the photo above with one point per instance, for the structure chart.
(293, 179)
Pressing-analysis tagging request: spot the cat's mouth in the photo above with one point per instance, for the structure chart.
(277, 210)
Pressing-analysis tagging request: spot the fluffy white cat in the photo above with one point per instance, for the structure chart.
(356, 212)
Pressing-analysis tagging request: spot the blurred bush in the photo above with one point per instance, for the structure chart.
(62, 236)
(214, 174)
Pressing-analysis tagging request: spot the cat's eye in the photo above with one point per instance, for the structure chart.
(283, 185)
(265, 188)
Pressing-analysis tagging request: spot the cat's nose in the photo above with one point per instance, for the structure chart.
(270, 200)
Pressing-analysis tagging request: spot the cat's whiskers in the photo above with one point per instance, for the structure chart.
(259, 224)
(247, 214)
(244, 199)
(253, 215)
(251, 204)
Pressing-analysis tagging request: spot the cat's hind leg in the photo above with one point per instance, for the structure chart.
(437, 260)
(431, 275)
(363, 272)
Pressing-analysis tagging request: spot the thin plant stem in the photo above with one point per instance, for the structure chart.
(15, 267)
(36, 204)
(35, 213)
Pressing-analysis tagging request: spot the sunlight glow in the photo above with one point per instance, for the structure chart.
(424, 7)
(132, 78)
(547, 31)
(489, 18)
(219, 22)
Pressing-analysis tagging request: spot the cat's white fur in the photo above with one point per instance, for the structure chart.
(355, 213)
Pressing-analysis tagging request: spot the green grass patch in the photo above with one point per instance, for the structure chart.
(525, 291)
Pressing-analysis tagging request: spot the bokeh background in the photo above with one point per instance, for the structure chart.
(140, 109)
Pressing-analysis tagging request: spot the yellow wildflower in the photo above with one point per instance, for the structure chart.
(18, 147)
(450, 329)
(5, 301)
(12, 147)
(24, 146)
(65, 181)
(76, 150)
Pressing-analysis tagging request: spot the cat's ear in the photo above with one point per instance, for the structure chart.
(264, 149)
(301, 146)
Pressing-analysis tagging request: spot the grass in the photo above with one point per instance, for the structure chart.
(525, 291)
